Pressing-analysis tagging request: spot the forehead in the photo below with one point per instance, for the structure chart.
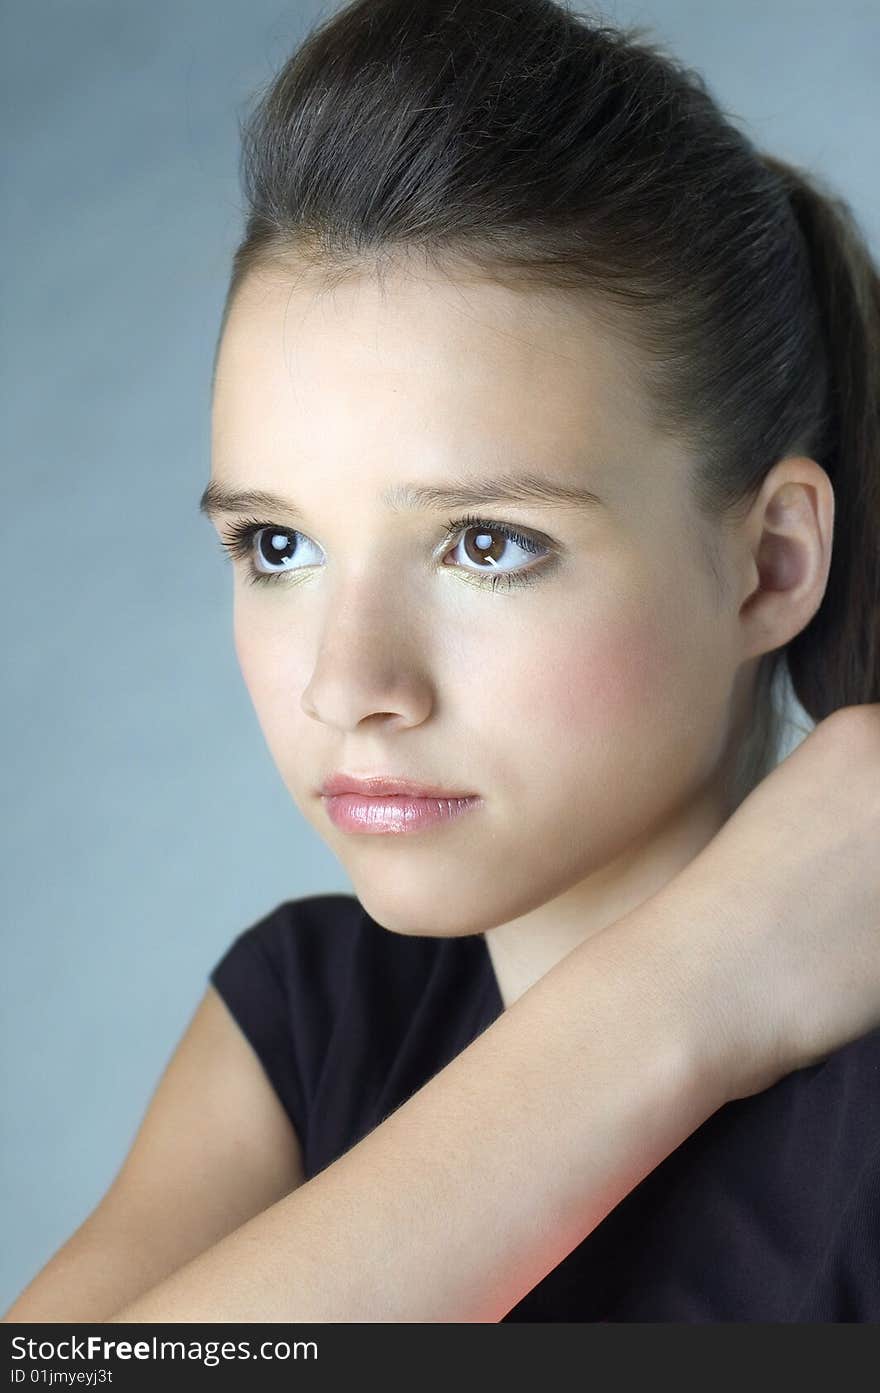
(421, 373)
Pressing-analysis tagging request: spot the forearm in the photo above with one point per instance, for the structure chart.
(482, 1182)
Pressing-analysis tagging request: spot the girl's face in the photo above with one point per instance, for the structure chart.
(585, 696)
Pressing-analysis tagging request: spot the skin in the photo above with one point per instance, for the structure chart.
(595, 711)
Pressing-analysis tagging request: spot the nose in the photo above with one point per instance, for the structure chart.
(371, 658)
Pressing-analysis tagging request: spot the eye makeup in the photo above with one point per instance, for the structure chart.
(238, 542)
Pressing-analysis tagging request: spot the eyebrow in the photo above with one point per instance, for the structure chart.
(507, 488)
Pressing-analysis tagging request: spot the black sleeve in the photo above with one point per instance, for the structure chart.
(249, 979)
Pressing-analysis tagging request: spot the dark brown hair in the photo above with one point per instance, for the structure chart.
(520, 141)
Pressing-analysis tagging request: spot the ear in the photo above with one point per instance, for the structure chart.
(787, 538)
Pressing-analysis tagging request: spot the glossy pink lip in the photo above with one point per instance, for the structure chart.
(383, 785)
(394, 812)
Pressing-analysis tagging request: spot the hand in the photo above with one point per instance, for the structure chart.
(783, 952)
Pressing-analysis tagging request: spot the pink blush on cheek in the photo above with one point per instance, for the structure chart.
(608, 680)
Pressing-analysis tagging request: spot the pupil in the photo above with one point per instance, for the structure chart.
(278, 543)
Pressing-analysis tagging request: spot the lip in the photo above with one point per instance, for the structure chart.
(394, 813)
(386, 785)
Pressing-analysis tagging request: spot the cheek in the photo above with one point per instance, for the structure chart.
(608, 675)
(270, 667)
(248, 653)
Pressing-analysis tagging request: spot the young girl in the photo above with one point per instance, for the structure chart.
(541, 395)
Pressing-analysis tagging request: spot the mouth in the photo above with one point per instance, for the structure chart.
(385, 786)
(385, 804)
(395, 814)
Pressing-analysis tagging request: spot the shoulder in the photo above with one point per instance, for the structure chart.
(319, 958)
(310, 940)
(316, 925)
(349, 1017)
(327, 946)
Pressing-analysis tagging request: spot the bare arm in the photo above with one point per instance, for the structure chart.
(462, 1201)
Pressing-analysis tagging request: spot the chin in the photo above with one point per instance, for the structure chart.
(418, 915)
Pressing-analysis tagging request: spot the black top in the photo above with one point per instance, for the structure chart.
(769, 1212)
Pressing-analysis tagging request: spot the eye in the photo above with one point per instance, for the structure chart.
(273, 545)
(488, 545)
(481, 541)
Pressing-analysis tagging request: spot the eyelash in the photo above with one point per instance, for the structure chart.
(238, 539)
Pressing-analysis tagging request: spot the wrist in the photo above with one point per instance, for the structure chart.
(683, 950)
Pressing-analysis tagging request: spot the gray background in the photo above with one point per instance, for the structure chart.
(147, 823)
